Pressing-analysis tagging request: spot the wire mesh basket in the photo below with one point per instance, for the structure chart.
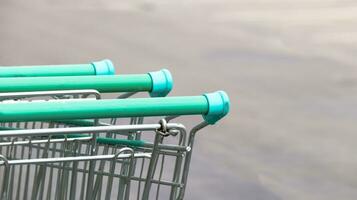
(101, 162)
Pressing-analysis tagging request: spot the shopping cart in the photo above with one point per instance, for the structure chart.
(104, 67)
(157, 83)
(88, 166)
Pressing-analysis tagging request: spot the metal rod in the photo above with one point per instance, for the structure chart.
(71, 159)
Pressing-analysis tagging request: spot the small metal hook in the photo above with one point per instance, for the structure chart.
(163, 129)
(125, 149)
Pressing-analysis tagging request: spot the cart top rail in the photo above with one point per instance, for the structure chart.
(213, 107)
(103, 67)
(158, 83)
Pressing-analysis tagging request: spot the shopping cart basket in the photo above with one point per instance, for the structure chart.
(100, 167)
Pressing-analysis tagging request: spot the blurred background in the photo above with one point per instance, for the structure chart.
(289, 67)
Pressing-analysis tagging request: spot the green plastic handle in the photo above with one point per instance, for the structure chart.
(212, 106)
(159, 85)
(104, 67)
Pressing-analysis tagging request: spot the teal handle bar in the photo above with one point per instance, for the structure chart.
(212, 106)
(158, 83)
(104, 67)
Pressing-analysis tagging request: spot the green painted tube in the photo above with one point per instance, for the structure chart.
(108, 141)
(114, 108)
(76, 122)
(158, 83)
(115, 83)
(47, 70)
(104, 67)
(212, 106)
(124, 142)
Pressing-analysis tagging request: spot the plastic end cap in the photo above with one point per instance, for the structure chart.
(218, 106)
(104, 67)
(162, 83)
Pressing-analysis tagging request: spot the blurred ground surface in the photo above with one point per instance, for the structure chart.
(288, 66)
